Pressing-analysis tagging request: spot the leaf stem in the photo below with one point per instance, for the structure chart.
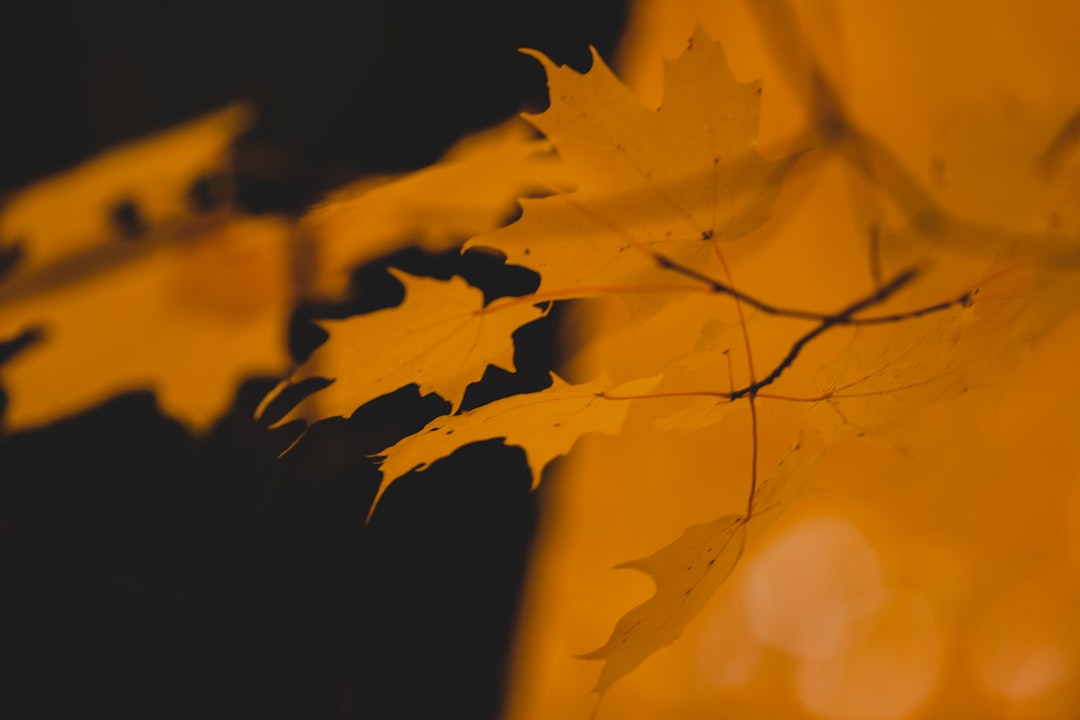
(753, 380)
(576, 293)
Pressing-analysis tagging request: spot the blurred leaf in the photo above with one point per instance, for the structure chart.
(190, 320)
(144, 184)
(134, 285)
(473, 189)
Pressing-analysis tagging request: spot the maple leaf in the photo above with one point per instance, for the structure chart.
(670, 181)
(687, 573)
(711, 357)
(689, 570)
(545, 424)
(440, 338)
(188, 320)
(131, 289)
(887, 374)
(964, 274)
(60, 217)
(471, 190)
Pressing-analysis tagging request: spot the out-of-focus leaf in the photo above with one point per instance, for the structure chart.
(148, 181)
(131, 288)
(189, 320)
(473, 189)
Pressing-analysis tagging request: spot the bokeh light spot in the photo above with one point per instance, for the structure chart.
(728, 655)
(802, 593)
(886, 676)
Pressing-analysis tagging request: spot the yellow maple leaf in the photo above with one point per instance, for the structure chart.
(60, 217)
(545, 424)
(689, 570)
(996, 215)
(189, 320)
(471, 190)
(441, 338)
(670, 181)
(687, 573)
(710, 358)
(158, 298)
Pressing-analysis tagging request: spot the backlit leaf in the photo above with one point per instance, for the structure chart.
(690, 570)
(132, 289)
(189, 320)
(473, 189)
(545, 424)
(687, 573)
(60, 217)
(440, 338)
(672, 180)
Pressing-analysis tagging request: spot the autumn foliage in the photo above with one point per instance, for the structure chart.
(822, 342)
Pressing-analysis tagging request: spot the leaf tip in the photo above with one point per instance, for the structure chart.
(268, 399)
(238, 116)
(375, 501)
(293, 444)
(540, 57)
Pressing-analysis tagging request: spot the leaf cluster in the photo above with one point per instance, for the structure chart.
(661, 207)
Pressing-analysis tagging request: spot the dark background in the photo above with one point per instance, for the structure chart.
(146, 573)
